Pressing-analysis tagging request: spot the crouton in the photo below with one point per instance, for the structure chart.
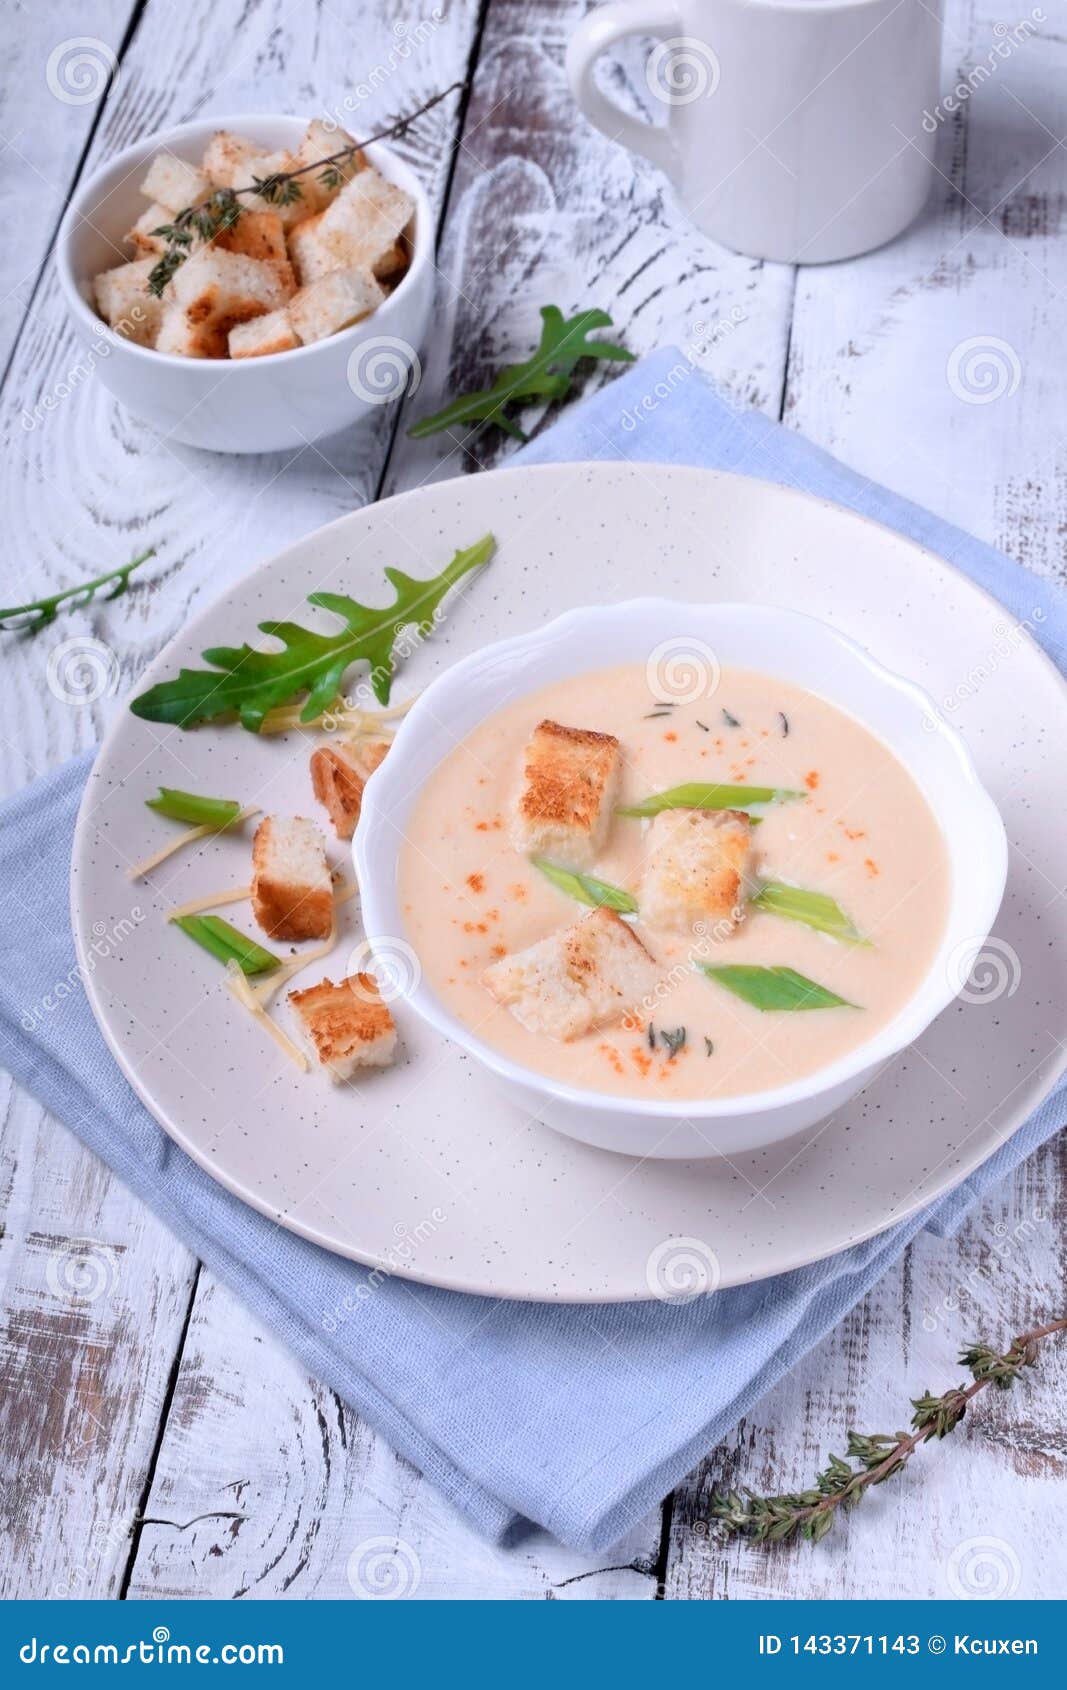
(309, 258)
(175, 184)
(228, 160)
(260, 235)
(183, 339)
(213, 291)
(585, 976)
(272, 333)
(141, 236)
(333, 302)
(322, 140)
(292, 895)
(699, 868)
(338, 775)
(568, 788)
(364, 223)
(347, 1026)
(123, 300)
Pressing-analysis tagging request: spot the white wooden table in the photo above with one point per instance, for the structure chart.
(155, 1441)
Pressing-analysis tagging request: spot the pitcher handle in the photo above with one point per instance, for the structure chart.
(600, 30)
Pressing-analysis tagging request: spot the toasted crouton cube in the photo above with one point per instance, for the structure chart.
(260, 235)
(699, 869)
(347, 1026)
(123, 300)
(338, 775)
(587, 975)
(175, 184)
(568, 789)
(209, 294)
(307, 254)
(142, 237)
(292, 895)
(366, 220)
(272, 333)
(183, 339)
(333, 302)
(321, 141)
(228, 159)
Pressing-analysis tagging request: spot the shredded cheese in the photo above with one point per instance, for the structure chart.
(281, 976)
(213, 900)
(139, 870)
(249, 1000)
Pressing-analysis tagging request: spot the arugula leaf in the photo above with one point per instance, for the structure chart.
(192, 808)
(226, 943)
(814, 909)
(697, 796)
(547, 375)
(252, 682)
(41, 612)
(587, 889)
(774, 988)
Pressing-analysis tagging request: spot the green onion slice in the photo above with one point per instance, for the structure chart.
(774, 988)
(814, 909)
(696, 795)
(190, 807)
(587, 889)
(226, 943)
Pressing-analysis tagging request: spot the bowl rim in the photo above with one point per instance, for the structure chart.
(911, 1020)
(88, 192)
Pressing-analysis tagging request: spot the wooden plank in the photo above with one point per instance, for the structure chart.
(999, 1478)
(267, 1486)
(904, 364)
(544, 210)
(58, 64)
(94, 1293)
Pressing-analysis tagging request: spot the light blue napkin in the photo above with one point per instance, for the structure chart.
(579, 1419)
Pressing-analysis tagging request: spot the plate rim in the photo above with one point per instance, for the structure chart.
(967, 1165)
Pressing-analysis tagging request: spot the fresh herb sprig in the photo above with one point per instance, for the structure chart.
(772, 989)
(546, 375)
(227, 943)
(222, 209)
(587, 889)
(710, 795)
(194, 809)
(811, 1513)
(250, 682)
(38, 614)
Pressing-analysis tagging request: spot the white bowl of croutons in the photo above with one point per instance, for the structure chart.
(625, 849)
(292, 321)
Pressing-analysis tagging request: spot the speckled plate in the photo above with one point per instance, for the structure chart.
(421, 1169)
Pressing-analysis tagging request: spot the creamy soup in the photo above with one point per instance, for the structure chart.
(854, 829)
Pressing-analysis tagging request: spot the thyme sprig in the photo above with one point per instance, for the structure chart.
(31, 618)
(222, 209)
(811, 1513)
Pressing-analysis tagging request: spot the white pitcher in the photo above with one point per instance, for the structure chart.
(794, 127)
